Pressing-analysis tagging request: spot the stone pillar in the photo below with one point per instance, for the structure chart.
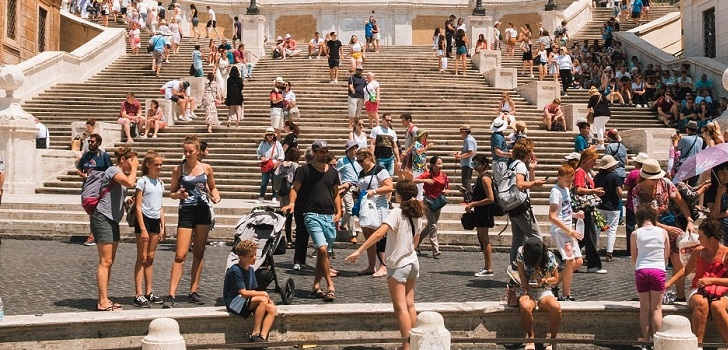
(163, 335)
(675, 334)
(574, 113)
(253, 35)
(540, 93)
(653, 141)
(480, 25)
(17, 135)
(430, 333)
(402, 28)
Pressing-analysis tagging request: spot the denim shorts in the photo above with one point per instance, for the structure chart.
(321, 229)
(191, 216)
(387, 163)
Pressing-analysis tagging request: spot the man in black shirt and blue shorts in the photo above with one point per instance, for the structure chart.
(334, 53)
(318, 183)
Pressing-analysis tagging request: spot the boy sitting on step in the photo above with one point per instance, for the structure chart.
(241, 296)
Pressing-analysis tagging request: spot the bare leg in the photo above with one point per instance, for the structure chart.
(680, 284)
(198, 254)
(107, 252)
(371, 253)
(403, 302)
(550, 305)
(184, 237)
(719, 311)
(700, 307)
(484, 240)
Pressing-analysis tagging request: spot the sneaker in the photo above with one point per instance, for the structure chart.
(89, 241)
(154, 299)
(195, 298)
(141, 301)
(192, 115)
(565, 95)
(568, 298)
(260, 200)
(168, 302)
(484, 273)
(297, 267)
(166, 61)
(336, 81)
(274, 201)
(596, 270)
(257, 338)
(513, 274)
(555, 292)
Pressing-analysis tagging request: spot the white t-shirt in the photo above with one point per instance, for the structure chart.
(400, 250)
(152, 191)
(376, 181)
(650, 248)
(315, 42)
(380, 131)
(371, 89)
(522, 169)
(564, 61)
(171, 86)
(560, 196)
(142, 7)
(289, 96)
(212, 15)
(511, 33)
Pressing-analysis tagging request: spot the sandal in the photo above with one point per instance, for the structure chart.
(318, 293)
(609, 258)
(330, 296)
(334, 273)
(112, 307)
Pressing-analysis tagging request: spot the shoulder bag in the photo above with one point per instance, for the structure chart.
(131, 215)
(679, 161)
(590, 115)
(268, 165)
(440, 201)
(584, 201)
(357, 206)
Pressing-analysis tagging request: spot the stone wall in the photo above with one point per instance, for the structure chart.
(76, 32)
(692, 18)
(301, 28)
(25, 44)
(423, 28)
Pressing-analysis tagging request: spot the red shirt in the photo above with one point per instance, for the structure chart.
(239, 56)
(437, 187)
(131, 109)
(582, 179)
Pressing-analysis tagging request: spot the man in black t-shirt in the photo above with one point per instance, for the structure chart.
(318, 183)
(334, 53)
(449, 33)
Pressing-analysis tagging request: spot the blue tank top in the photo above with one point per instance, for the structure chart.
(194, 186)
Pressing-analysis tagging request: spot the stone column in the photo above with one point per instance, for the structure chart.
(17, 135)
(430, 333)
(480, 25)
(253, 35)
(163, 335)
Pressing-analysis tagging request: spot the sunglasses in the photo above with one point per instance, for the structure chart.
(388, 120)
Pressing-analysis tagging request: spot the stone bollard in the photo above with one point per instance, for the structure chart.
(163, 335)
(430, 332)
(675, 334)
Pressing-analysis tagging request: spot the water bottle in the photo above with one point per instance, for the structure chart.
(580, 226)
(2, 309)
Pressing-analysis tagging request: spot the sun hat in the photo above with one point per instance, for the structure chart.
(613, 135)
(350, 144)
(279, 80)
(279, 38)
(641, 158)
(498, 125)
(319, 144)
(288, 36)
(692, 125)
(421, 132)
(607, 162)
(465, 127)
(270, 131)
(651, 170)
(573, 156)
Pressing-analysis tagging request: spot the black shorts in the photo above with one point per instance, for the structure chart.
(189, 217)
(176, 98)
(123, 10)
(153, 226)
(211, 24)
(636, 14)
(333, 63)
(369, 39)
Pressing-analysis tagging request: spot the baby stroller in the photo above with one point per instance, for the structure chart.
(264, 225)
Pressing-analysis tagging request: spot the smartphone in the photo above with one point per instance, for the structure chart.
(547, 178)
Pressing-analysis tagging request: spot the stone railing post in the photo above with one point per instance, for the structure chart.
(17, 135)
(430, 332)
(163, 335)
(675, 334)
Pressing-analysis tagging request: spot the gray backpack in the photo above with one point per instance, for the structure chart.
(509, 197)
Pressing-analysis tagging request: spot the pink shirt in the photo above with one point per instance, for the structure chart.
(631, 182)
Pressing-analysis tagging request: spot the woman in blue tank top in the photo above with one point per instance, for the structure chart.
(193, 184)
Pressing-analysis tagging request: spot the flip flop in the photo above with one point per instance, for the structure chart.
(111, 307)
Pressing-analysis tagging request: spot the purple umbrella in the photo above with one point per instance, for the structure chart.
(705, 160)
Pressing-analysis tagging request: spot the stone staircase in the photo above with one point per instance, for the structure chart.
(410, 82)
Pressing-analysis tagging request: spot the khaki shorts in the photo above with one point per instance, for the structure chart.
(104, 229)
(355, 105)
(276, 118)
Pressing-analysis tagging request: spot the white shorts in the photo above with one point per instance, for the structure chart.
(276, 118)
(376, 36)
(540, 293)
(560, 240)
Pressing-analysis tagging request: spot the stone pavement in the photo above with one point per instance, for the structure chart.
(38, 277)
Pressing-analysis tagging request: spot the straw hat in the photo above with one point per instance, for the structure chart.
(421, 132)
(651, 170)
(640, 158)
(498, 125)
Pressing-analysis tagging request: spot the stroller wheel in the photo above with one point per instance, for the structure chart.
(287, 292)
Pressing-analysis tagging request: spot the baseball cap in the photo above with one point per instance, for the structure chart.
(319, 144)
(349, 144)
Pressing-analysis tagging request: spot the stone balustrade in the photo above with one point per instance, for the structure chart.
(578, 14)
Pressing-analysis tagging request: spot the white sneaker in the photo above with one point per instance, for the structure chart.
(274, 201)
(336, 81)
(166, 61)
(192, 115)
(260, 200)
(297, 267)
(513, 275)
(484, 273)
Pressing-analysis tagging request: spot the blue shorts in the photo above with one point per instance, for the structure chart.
(321, 229)
(461, 50)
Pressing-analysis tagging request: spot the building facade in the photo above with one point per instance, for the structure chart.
(28, 27)
(705, 29)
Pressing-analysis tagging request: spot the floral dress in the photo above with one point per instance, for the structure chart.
(209, 103)
(664, 192)
(534, 273)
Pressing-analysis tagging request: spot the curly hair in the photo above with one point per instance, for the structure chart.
(243, 248)
(522, 148)
(411, 207)
(712, 228)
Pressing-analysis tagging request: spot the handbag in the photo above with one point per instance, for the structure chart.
(511, 296)
(584, 201)
(590, 115)
(193, 71)
(356, 208)
(436, 203)
(468, 220)
(268, 165)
